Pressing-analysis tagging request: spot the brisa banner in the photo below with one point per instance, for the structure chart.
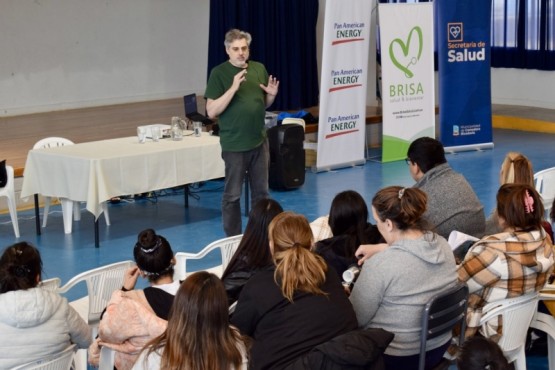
(342, 116)
(463, 34)
(408, 91)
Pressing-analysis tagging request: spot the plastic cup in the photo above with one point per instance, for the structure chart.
(155, 130)
(197, 128)
(141, 134)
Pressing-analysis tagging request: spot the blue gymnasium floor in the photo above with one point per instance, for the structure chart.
(191, 229)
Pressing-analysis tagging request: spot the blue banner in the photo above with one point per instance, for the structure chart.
(463, 49)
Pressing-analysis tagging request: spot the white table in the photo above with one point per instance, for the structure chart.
(97, 171)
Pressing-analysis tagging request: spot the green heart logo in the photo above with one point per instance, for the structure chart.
(406, 58)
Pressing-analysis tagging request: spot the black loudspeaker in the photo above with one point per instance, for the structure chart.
(287, 162)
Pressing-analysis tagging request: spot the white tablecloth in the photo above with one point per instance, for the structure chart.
(96, 171)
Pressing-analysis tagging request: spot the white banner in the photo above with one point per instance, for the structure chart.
(342, 116)
(407, 60)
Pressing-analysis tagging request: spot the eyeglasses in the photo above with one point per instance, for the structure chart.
(236, 49)
(408, 160)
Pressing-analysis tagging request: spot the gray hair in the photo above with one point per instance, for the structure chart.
(235, 34)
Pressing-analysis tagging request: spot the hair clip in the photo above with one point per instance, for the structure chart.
(148, 273)
(528, 202)
(401, 193)
(22, 271)
(19, 252)
(156, 246)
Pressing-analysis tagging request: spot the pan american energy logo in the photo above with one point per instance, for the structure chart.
(460, 50)
(405, 55)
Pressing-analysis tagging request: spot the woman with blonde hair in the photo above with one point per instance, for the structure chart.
(198, 336)
(294, 305)
(515, 169)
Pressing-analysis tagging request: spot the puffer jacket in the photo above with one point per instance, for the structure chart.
(35, 323)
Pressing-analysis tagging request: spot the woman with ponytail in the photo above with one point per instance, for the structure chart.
(34, 322)
(294, 305)
(402, 275)
(514, 262)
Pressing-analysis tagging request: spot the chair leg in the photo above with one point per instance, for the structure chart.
(67, 213)
(106, 214)
(13, 215)
(520, 361)
(551, 352)
(76, 211)
(47, 201)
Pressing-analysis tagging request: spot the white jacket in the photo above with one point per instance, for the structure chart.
(35, 323)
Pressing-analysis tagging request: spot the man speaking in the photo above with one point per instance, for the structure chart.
(238, 93)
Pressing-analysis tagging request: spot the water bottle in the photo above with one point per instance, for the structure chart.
(176, 131)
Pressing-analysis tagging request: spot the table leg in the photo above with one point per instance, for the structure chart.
(37, 214)
(96, 238)
(186, 192)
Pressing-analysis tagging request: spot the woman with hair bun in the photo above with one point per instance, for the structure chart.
(511, 263)
(34, 322)
(294, 305)
(395, 284)
(133, 317)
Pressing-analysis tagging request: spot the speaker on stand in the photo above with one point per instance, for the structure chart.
(287, 156)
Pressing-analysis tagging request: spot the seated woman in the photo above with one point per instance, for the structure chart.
(395, 284)
(133, 317)
(198, 335)
(348, 220)
(509, 264)
(253, 252)
(34, 322)
(295, 305)
(515, 169)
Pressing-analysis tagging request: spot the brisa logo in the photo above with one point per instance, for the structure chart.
(411, 51)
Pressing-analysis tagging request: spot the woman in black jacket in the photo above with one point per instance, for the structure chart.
(253, 252)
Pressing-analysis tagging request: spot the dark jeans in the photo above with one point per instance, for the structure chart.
(256, 162)
(433, 357)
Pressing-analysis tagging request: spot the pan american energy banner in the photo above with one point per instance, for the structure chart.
(408, 90)
(343, 84)
(463, 34)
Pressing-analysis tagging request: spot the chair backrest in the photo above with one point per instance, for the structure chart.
(58, 361)
(51, 284)
(227, 247)
(293, 121)
(52, 142)
(107, 358)
(101, 283)
(517, 314)
(545, 185)
(442, 313)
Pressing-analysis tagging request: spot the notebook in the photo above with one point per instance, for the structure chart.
(191, 110)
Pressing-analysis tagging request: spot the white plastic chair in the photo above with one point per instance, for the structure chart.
(69, 207)
(101, 283)
(9, 192)
(517, 315)
(107, 358)
(545, 185)
(51, 284)
(546, 323)
(227, 247)
(58, 361)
